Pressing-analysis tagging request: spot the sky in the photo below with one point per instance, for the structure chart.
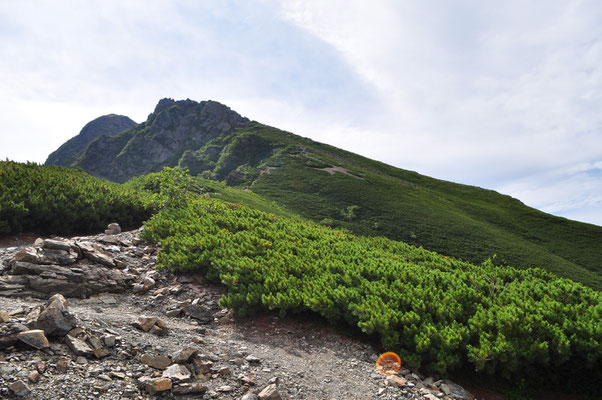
(502, 95)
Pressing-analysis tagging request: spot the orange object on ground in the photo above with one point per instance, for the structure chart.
(388, 364)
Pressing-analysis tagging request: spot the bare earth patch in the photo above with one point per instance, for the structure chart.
(335, 169)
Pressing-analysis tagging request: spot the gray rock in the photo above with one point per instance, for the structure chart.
(54, 318)
(34, 338)
(14, 286)
(176, 372)
(174, 313)
(148, 283)
(202, 314)
(78, 346)
(184, 356)
(253, 359)
(270, 392)
(19, 388)
(110, 340)
(138, 288)
(74, 280)
(113, 229)
(189, 388)
(9, 332)
(28, 254)
(99, 258)
(117, 375)
(445, 389)
(154, 385)
(26, 268)
(59, 257)
(159, 362)
(58, 245)
(457, 391)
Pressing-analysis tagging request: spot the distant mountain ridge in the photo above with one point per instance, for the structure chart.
(340, 188)
(71, 150)
(171, 129)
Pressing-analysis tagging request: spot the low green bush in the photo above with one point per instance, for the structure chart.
(58, 200)
(439, 313)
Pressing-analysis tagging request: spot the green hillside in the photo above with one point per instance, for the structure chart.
(58, 200)
(375, 199)
(439, 313)
(341, 189)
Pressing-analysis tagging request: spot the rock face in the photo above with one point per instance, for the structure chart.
(77, 267)
(109, 125)
(173, 128)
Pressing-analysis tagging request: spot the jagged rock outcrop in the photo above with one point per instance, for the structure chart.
(173, 128)
(78, 267)
(71, 150)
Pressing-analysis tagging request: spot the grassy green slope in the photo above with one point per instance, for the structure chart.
(439, 313)
(59, 200)
(457, 220)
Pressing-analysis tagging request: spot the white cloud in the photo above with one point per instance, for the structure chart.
(491, 94)
(575, 192)
(480, 93)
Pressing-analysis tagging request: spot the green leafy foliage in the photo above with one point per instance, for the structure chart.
(438, 312)
(173, 187)
(58, 200)
(197, 185)
(349, 213)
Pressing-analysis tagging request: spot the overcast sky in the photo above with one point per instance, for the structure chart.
(505, 95)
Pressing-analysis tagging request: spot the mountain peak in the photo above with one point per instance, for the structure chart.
(70, 151)
(174, 127)
(164, 104)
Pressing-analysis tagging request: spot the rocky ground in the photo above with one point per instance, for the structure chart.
(122, 330)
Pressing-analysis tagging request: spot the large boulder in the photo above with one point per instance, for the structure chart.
(54, 318)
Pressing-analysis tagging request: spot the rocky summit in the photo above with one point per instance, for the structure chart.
(91, 318)
(70, 151)
(173, 128)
